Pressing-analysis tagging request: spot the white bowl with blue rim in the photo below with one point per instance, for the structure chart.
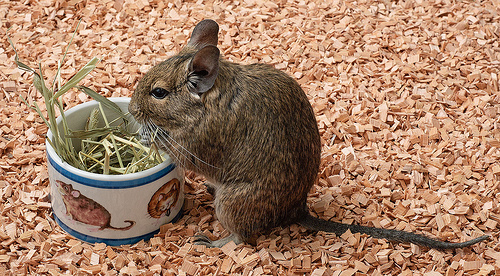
(112, 209)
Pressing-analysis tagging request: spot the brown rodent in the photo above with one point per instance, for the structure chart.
(251, 131)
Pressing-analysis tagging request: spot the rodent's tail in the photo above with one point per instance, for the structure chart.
(131, 223)
(317, 224)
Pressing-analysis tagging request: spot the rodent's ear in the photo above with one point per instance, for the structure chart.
(205, 33)
(203, 69)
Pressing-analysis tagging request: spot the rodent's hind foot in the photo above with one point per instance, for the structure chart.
(204, 240)
(201, 240)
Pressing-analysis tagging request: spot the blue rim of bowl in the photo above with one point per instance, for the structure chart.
(111, 242)
(129, 183)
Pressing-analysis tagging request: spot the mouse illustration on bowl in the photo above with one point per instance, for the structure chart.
(85, 210)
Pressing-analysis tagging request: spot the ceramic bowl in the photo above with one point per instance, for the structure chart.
(112, 209)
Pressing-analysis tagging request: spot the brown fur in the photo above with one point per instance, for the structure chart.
(252, 134)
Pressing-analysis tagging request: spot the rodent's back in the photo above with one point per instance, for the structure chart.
(270, 134)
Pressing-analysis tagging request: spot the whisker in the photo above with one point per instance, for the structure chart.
(148, 135)
(179, 161)
(152, 133)
(183, 148)
(163, 137)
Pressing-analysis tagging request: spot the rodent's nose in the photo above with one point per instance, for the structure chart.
(133, 107)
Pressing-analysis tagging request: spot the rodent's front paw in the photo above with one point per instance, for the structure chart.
(210, 189)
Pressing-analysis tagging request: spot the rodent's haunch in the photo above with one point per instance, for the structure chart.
(251, 131)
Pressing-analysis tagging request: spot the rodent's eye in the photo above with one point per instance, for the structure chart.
(159, 93)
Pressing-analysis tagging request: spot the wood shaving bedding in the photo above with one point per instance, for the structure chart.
(406, 95)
